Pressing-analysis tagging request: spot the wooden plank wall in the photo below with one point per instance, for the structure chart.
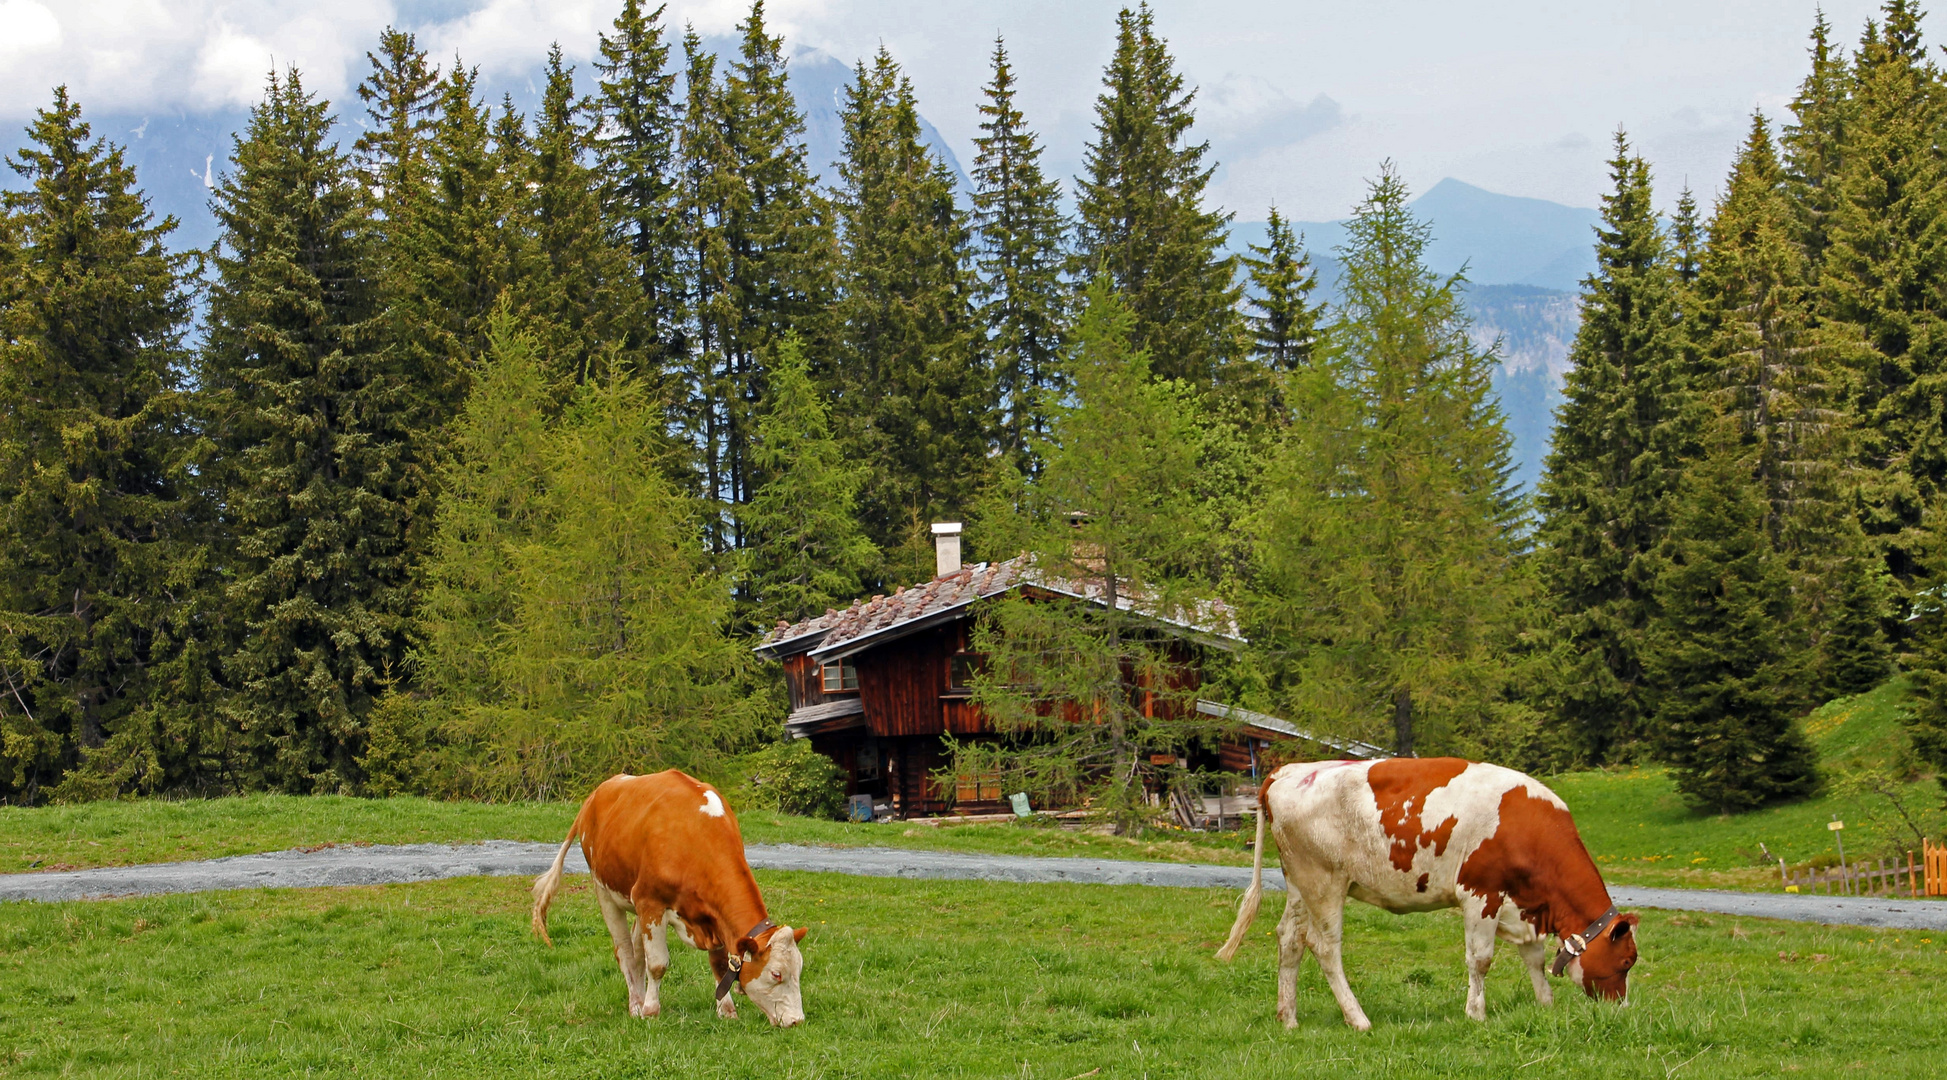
(901, 681)
(806, 686)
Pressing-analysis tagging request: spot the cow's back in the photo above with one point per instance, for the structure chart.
(661, 833)
(1401, 829)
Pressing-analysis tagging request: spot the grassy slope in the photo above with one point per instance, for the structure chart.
(910, 979)
(1641, 832)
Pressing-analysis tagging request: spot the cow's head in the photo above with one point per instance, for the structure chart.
(772, 967)
(1603, 968)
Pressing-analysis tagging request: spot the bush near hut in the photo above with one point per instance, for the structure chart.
(791, 778)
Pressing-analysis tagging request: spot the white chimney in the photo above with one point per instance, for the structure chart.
(946, 547)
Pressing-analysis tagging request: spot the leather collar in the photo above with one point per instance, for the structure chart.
(734, 960)
(1573, 945)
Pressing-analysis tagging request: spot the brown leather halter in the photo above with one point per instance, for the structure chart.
(1574, 945)
(735, 961)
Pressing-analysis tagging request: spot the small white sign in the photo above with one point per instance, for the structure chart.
(1835, 826)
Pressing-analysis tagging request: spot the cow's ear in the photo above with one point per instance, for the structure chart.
(799, 933)
(1621, 928)
(747, 948)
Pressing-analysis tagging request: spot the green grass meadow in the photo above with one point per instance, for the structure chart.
(915, 979)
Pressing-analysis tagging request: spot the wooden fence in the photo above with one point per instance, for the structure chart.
(1926, 876)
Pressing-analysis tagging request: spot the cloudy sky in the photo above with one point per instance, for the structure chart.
(1300, 99)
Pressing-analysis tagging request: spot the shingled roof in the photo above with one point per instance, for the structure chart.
(837, 634)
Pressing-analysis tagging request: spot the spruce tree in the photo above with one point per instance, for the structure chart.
(1881, 277)
(914, 395)
(1720, 673)
(97, 540)
(1019, 233)
(1765, 368)
(1814, 144)
(1620, 440)
(313, 429)
(1385, 543)
(805, 551)
(635, 135)
(573, 282)
(759, 253)
(1112, 514)
(1285, 328)
(1142, 219)
(1854, 656)
(401, 98)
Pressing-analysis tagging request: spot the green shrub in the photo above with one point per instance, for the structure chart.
(793, 778)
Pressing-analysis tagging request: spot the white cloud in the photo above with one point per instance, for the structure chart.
(27, 27)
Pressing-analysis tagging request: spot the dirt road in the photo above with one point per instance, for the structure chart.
(379, 864)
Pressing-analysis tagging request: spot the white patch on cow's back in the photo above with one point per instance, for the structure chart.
(712, 805)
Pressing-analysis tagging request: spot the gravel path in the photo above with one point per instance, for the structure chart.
(388, 864)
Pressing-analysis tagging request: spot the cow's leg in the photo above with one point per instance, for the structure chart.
(1326, 901)
(1535, 955)
(1291, 953)
(628, 948)
(655, 961)
(720, 964)
(1480, 932)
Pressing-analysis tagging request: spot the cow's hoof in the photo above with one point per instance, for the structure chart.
(1289, 1020)
(649, 1009)
(726, 1009)
(1360, 1023)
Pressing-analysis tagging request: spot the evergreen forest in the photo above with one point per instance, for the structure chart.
(479, 451)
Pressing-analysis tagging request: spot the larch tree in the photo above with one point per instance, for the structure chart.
(98, 507)
(1141, 215)
(1620, 440)
(1092, 690)
(312, 427)
(913, 392)
(1021, 245)
(1386, 541)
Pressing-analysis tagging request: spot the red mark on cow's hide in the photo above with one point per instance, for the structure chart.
(1536, 859)
(1400, 787)
(1420, 885)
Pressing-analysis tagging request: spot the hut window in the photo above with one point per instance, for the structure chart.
(960, 673)
(980, 787)
(839, 677)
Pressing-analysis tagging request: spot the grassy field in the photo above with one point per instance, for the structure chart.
(914, 979)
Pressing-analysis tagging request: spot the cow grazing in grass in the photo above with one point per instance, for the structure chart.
(666, 848)
(1410, 834)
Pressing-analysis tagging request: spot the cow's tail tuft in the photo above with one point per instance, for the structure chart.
(549, 883)
(1247, 908)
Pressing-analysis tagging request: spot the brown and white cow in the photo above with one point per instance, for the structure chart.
(1413, 834)
(666, 848)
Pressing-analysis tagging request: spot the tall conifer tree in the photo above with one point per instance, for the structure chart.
(1388, 533)
(1619, 443)
(1814, 143)
(914, 395)
(1142, 219)
(1882, 277)
(314, 429)
(1285, 328)
(635, 146)
(1019, 229)
(96, 541)
(805, 550)
(1719, 668)
(574, 282)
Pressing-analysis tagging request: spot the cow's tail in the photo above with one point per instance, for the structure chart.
(1247, 908)
(549, 883)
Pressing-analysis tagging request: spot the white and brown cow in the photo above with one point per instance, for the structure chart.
(666, 848)
(1412, 834)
